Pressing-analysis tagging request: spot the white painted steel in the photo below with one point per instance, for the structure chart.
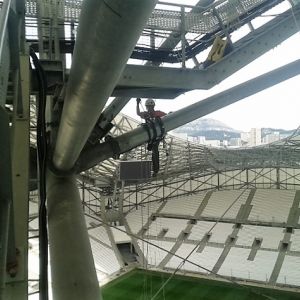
(101, 52)
(72, 265)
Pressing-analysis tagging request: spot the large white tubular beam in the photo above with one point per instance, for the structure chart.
(139, 135)
(110, 113)
(107, 34)
(170, 43)
(72, 265)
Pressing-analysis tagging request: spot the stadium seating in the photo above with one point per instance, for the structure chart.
(218, 234)
(153, 254)
(245, 242)
(271, 205)
(105, 258)
(295, 239)
(100, 234)
(190, 204)
(220, 201)
(237, 264)
(172, 227)
(270, 236)
(290, 271)
(206, 259)
(138, 218)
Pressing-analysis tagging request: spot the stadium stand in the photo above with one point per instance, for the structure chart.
(105, 258)
(138, 218)
(271, 205)
(153, 254)
(220, 201)
(169, 227)
(190, 204)
(207, 258)
(237, 264)
(229, 246)
(101, 235)
(290, 271)
(218, 234)
(295, 240)
(270, 237)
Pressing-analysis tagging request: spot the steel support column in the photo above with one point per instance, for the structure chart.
(4, 223)
(100, 56)
(72, 266)
(5, 195)
(110, 113)
(17, 287)
(173, 120)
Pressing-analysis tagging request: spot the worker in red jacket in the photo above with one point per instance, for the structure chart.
(150, 117)
(150, 113)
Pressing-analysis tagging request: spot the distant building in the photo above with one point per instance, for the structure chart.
(235, 142)
(245, 137)
(180, 135)
(201, 139)
(224, 143)
(272, 137)
(190, 138)
(213, 143)
(284, 135)
(255, 137)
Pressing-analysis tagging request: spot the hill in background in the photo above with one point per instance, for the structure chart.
(213, 129)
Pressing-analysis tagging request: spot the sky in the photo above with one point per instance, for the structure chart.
(276, 107)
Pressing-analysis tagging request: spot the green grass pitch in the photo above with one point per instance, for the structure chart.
(142, 285)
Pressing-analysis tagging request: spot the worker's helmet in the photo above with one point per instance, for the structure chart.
(150, 102)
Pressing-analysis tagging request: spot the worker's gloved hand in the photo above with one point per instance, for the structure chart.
(138, 100)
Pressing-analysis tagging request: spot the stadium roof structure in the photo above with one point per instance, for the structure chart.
(180, 157)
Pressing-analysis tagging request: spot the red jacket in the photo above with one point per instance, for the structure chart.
(153, 115)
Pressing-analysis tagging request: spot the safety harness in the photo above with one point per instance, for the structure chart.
(153, 141)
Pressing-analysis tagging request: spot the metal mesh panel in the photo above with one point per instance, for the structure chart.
(196, 22)
(31, 8)
(72, 10)
(165, 19)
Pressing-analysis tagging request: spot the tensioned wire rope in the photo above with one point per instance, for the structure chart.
(180, 257)
(144, 259)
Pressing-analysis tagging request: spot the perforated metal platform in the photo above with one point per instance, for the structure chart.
(225, 12)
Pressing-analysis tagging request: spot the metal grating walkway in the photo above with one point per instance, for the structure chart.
(224, 13)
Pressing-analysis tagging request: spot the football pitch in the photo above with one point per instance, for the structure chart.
(143, 285)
